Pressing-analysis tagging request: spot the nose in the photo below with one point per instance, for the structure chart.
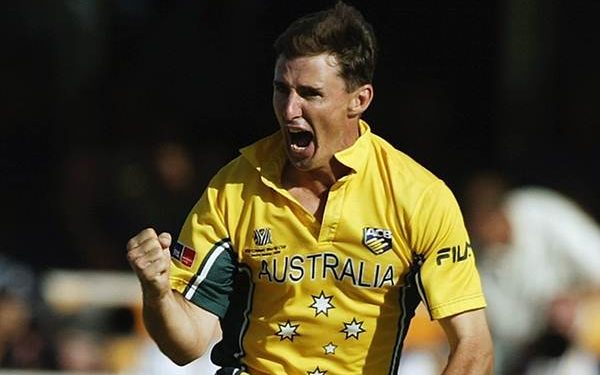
(292, 107)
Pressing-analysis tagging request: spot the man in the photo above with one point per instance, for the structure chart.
(311, 250)
(540, 258)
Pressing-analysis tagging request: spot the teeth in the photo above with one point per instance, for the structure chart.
(295, 130)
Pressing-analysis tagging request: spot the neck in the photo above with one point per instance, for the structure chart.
(318, 181)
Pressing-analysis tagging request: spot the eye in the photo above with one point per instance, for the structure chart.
(309, 93)
(280, 88)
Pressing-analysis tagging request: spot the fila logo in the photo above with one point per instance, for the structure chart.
(262, 236)
(378, 240)
(454, 252)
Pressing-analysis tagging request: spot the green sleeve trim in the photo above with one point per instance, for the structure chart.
(212, 293)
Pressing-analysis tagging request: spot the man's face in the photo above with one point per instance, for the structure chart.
(311, 105)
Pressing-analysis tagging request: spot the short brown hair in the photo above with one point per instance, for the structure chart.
(341, 31)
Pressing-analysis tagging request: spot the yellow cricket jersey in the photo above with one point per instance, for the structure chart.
(296, 296)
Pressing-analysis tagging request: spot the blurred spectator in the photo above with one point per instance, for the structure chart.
(86, 210)
(173, 187)
(158, 189)
(106, 196)
(539, 253)
(96, 338)
(23, 342)
(80, 350)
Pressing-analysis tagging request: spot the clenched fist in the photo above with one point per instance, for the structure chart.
(148, 255)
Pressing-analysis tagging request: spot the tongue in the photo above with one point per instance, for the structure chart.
(301, 139)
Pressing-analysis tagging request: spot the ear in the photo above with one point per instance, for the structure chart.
(361, 98)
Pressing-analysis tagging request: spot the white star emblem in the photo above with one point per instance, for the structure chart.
(353, 329)
(330, 348)
(287, 331)
(316, 371)
(322, 304)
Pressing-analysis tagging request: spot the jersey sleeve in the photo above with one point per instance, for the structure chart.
(202, 260)
(448, 280)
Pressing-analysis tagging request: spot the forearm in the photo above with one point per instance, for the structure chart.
(176, 329)
(181, 329)
(471, 348)
(470, 359)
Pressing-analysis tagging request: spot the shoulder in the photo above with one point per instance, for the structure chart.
(252, 161)
(409, 179)
(401, 166)
(242, 177)
(238, 170)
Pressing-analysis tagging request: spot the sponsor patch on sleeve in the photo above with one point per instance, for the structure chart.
(184, 254)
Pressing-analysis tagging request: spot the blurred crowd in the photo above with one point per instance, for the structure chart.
(117, 113)
(104, 200)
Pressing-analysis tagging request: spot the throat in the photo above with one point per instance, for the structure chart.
(309, 189)
(313, 203)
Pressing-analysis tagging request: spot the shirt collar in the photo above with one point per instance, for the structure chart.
(355, 156)
(267, 156)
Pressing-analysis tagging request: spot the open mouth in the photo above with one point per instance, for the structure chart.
(300, 138)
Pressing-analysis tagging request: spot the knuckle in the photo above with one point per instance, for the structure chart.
(131, 243)
(132, 258)
(140, 262)
(151, 243)
(146, 247)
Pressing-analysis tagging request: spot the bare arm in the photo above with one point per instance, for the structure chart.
(471, 349)
(181, 329)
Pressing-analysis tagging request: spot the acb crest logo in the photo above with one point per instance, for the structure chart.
(378, 240)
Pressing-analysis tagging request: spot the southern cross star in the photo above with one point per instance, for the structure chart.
(330, 348)
(317, 371)
(322, 304)
(353, 329)
(287, 331)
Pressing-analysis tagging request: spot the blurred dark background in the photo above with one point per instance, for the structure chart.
(115, 114)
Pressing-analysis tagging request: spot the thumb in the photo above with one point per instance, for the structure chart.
(165, 240)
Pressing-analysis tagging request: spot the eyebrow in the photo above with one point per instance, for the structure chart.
(301, 87)
(279, 83)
